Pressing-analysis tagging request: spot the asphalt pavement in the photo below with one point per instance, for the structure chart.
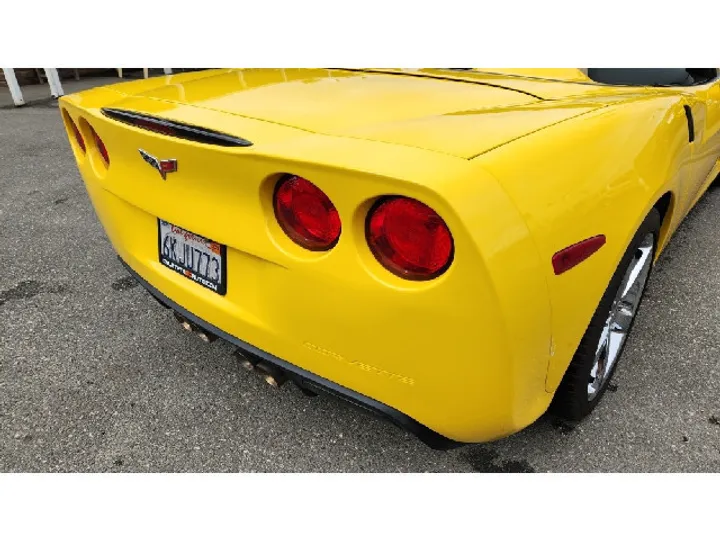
(95, 376)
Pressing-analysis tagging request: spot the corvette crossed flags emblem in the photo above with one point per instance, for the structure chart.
(163, 166)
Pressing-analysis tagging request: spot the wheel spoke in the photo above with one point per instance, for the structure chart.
(597, 372)
(620, 318)
(624, 313)
(637, 268)
(603, 361)
(615, 341)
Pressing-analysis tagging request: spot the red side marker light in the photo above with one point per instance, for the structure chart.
(571, 256)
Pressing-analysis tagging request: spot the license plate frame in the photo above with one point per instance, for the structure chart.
(193, 240)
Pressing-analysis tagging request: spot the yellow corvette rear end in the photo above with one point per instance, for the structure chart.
(460, 355)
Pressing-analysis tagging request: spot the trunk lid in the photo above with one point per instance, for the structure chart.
(331, 101)
(456, 113)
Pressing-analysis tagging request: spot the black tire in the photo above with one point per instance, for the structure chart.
(571, 398)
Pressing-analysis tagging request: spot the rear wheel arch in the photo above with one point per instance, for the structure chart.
(573, 399)
(666, 207)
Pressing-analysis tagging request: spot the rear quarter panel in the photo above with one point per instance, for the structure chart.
(600, 173)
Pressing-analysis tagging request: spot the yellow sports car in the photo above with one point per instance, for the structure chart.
(456, 249)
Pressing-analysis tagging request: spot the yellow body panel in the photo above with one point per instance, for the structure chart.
(518, 170)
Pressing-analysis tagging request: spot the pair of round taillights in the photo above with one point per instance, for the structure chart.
(406, 236)
(99, 144)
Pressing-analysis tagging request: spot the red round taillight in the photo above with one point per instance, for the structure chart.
(73, 127)
(409, 238)
(306, 214)
(100, 146)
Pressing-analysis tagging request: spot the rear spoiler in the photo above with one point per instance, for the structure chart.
(174, 129)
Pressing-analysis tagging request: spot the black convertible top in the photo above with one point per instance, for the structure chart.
(652, 76)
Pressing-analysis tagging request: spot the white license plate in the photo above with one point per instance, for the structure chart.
(193, 256)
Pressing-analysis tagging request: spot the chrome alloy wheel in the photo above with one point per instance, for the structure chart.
(622, 313)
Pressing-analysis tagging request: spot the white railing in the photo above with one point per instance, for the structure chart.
(53, 80)
(13, 86)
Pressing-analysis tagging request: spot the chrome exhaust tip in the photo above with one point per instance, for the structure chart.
(184, 323)
(247, 364)
(272, 380)
(188, 326)
(244, 361)
(270, 374)
(207, 338)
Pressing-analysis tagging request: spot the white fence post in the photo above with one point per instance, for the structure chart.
(167, 71)
(56, 89)
(14, 87)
